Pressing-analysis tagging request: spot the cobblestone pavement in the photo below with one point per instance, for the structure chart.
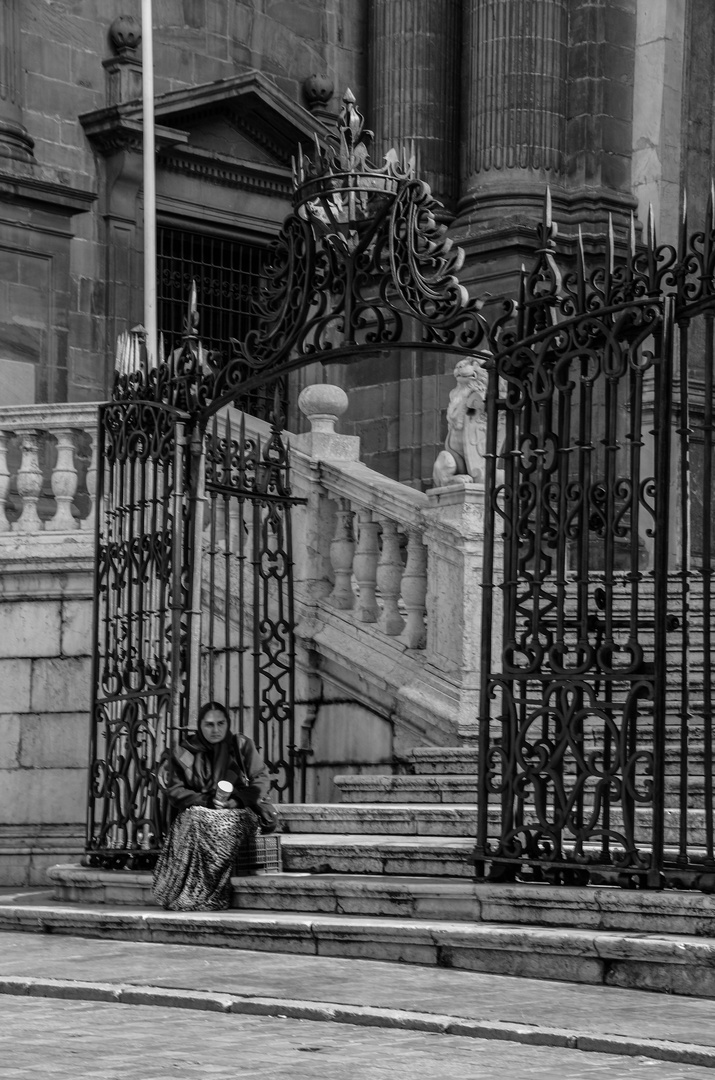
(66, 1040)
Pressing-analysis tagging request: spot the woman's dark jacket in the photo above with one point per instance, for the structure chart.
(193, 774)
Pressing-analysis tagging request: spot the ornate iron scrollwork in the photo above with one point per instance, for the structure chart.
(586, 707)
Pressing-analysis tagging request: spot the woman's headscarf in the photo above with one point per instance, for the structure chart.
(219, 757)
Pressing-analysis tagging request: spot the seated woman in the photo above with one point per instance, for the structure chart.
(194, 869)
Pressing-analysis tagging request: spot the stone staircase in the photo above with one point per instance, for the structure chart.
(384, 875)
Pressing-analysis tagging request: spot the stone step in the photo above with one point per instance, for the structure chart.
(595, 907)
(587, 953)
(450, 760)
(421, 819)
(338, 853)
(424, 819)
(378, 787)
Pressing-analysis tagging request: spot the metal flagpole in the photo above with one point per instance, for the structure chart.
(149, 183)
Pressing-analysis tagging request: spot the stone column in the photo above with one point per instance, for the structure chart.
(15, 143)
(514, 108)
(414, 86)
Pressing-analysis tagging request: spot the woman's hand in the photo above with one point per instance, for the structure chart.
(230, 804)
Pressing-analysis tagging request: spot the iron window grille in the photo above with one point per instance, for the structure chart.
(227, 274)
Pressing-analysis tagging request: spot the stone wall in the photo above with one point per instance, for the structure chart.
(45, 646)
(60, 51)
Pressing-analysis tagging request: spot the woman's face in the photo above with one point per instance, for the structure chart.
(214, 726)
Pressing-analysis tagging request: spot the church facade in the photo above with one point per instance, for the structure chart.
(609, 104)
(605, 104)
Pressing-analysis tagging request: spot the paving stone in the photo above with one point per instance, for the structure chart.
(523, 1007)
(66, 1039)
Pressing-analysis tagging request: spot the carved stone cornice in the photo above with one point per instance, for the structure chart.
(249, 102)
(27, 183)
(229, 172)
(112, 130)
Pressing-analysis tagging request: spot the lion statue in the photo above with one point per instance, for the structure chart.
(465, 446)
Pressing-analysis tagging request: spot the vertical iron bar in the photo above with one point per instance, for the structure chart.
(228, 500)
(257, 617)
(290, 742)
(683, 433)
(212, 553)
(662, 435)
(487, 610)
(100, 509)
(707, 577)
(195, 529)
(177, 568)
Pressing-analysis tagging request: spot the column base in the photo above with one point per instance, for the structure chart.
(15, 143)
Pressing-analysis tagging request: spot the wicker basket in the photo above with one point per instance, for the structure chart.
(259, 855)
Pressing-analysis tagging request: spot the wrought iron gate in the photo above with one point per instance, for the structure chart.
(141, 604)
(248, 646)
(193, 597)
(596, 746)
(192, 603)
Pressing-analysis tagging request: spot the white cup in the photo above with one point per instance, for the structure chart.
(224, 790)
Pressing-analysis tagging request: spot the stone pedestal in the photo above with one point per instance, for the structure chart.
(455, 543)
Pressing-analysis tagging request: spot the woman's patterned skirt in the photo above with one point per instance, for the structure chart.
(194, 869)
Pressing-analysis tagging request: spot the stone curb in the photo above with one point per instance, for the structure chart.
(359, 1015)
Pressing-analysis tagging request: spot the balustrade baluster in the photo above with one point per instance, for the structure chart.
(342, 552)
(389, 577)
(64, 483)
(91, 482)
(365, 567)
(29, 482)
(4, 483)
(414, 590)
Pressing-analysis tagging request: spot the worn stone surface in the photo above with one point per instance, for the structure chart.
(76, 628)
(60, 684)
(532, 1007)
(54, 740)
(29, 628)
(452, 760)
(388, 818)
(672, 963)
(43, 795)
(112, 1039)
(15, 676)
(443, 855)
(413, 789)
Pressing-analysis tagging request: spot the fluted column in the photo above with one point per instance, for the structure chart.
(14, 141)
(414, 85)
(514, 111)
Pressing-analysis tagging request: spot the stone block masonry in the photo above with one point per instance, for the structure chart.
(45, 671)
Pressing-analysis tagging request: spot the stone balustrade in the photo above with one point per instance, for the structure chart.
(387, 577)
(376, 555)
(377, 552)
(387, 570)
(48, 468)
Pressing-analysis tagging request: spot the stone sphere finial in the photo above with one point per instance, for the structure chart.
(125, 33)
(323, 404)
(318, 90)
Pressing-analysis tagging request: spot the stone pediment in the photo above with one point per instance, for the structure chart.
(244, 119)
